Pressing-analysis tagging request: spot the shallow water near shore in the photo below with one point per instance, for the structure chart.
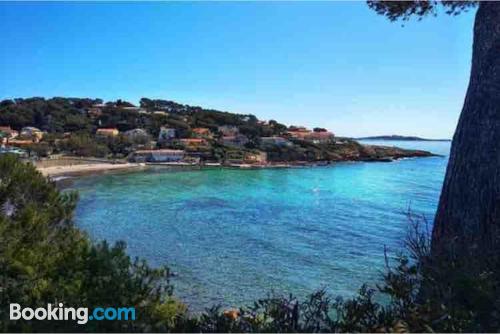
(232, 235)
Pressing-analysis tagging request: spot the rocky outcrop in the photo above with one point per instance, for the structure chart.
(342, 150)
(389, 153)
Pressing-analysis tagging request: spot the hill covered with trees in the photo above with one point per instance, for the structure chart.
(72, 126)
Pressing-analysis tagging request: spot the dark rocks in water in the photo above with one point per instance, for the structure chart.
(351, 150)
(390, 152)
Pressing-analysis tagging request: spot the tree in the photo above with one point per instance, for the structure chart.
(45, 258)
(468, 216)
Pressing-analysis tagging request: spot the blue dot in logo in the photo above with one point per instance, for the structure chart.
(91, 317)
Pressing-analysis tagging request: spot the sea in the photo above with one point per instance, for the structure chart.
(232, 236)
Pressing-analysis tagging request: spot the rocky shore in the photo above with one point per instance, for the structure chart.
(352, 151)
(390, 153)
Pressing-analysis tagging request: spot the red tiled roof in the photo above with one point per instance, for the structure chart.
(320, 135)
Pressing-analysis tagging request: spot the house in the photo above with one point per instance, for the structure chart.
(320, 137)
(29, 132)
(162, 155)
(8, 132)
(202, 133)
(193, 143)
(166, 134)
(298, 132)
(137, 135)
(107, 132)
(275, 141)
(228, 130)
(235, 141)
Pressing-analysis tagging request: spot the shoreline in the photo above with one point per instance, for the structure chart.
(87, 169)
(101, 168)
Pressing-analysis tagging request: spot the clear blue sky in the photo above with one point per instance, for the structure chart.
(331, 64)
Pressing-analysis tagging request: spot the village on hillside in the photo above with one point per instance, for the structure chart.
(164, 132)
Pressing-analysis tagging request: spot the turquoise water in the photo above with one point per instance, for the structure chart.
(232, 236)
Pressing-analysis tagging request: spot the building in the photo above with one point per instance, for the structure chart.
(162, 155)
(107, 132)
(137, 135)
(320, 137)
(234, 141)
(275, 141)
(298, 132)
(194, 143)
(202, 133)
(166, 134)
(228, 130)
(32, 133)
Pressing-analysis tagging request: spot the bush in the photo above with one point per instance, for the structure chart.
(83, 145)
(420, 292)
(46, 259)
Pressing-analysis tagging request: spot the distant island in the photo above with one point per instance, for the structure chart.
(398, 137)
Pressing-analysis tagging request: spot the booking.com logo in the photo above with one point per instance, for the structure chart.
(80, 314)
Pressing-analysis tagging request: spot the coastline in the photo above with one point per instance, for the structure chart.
(100, 168)
(87, 169)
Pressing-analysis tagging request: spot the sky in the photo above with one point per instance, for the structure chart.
(336, 65)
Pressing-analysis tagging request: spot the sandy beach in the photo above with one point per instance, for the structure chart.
(87, 168)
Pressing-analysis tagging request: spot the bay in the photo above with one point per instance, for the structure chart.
(232, 236)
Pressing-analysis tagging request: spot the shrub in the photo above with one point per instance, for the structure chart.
(44, 259)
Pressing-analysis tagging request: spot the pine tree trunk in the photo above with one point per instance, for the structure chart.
(468, 216)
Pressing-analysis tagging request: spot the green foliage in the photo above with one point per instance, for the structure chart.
(404, 10)
(42, 149)
(46, 259)
(59, 115)
(84, 145)
(53, 115)
(119, 146)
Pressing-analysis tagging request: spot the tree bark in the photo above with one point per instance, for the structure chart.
(468, 216)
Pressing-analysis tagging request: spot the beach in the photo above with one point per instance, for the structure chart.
(82, 169)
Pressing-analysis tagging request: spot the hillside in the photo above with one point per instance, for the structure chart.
(118, 129)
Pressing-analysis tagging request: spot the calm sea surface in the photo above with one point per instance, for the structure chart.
(232, 236)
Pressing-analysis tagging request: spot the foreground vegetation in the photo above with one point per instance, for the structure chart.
(44, 259)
